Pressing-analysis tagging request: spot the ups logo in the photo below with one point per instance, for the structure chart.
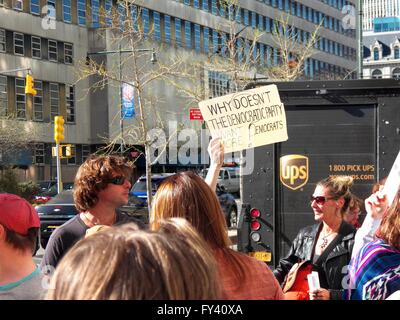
(294, 171)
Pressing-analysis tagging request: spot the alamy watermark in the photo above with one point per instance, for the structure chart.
(188, 147)
(49, 20)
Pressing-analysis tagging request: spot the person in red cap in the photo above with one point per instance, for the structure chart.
(20, 278)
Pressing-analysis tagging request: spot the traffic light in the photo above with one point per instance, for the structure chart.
(29, 89)
(58, 129)
(68, 151)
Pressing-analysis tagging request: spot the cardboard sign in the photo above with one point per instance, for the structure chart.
(393, 181)
(246, 119)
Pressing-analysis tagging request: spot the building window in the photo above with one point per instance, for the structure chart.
(20, 98)
(18, 43)
(214, 8)
(72, 159)
(108, 9)
(178, 31)
(377, 74)
(197, 45)
(54, 101)
(38, 101)
(396, 52)
(205, 5)
(206, 32)
(52, 10)
(218, 84)
(396, 73)
(67, 11)
(53, 56)
(85, 152)
(188, 35)
(82, 12)
(3, 96)
(157, 29)
(39, 153)
(70, 103)
(376, 54)
(167, 28)
(2, 40)
(18, 4)
(35, 7)
(68, 53)
(36, 48)
(215, 40)
(95, 13)
(145, 20)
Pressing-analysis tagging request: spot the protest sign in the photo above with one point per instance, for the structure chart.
(393, 181)
(246, 119)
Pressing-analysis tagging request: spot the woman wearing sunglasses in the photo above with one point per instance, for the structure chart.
(324, 247)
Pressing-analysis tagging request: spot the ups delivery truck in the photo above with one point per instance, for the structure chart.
(349, 127)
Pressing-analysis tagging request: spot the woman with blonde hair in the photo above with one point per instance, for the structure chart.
(124, 263)
(186, 195)
(324, 247)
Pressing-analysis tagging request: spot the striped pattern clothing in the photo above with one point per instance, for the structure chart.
(374, 272)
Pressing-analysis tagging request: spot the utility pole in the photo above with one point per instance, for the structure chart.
(359, 39)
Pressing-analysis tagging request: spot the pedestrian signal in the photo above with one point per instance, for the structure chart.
(58, 129)
(29, 89)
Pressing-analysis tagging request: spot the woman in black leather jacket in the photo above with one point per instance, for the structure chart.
(327, 245)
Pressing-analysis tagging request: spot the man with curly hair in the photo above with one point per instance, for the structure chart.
(101, 187)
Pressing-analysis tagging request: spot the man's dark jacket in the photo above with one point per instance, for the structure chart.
(333, 270)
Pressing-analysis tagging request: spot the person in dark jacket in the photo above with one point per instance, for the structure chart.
(325, 247)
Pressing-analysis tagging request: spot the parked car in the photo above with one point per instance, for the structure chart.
(45, 195)
(229, 178)
(61, 208)
(139, 187)
(226, 200)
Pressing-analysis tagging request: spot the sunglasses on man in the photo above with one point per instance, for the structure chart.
(118, 180)
(320, 200)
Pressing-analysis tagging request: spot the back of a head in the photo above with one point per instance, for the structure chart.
(186, 195)
(20, 221)
(124, 263)
(389, 229)
(339, 187)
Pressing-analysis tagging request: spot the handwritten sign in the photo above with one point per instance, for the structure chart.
(246, 119)
(393, 181)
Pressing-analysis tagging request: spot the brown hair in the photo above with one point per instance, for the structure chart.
(124, 263)
(93, 176)
(389, 229)
(355, 202)
(186, 195)
(339, 187)
(21, 242)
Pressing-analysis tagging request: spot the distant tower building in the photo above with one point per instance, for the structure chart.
(379, 8)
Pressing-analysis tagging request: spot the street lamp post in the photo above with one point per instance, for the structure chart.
(120, 51)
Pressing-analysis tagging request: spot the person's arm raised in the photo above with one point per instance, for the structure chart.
(216, 152)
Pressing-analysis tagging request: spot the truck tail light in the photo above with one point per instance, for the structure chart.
(255, 225)
(255, 213)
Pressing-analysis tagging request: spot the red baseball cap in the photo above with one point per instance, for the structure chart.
(17, 214)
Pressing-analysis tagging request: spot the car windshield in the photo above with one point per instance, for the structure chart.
(140, 186)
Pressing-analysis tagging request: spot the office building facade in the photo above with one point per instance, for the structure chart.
(51, 42)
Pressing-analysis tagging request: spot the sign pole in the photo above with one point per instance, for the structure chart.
(59, 182)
